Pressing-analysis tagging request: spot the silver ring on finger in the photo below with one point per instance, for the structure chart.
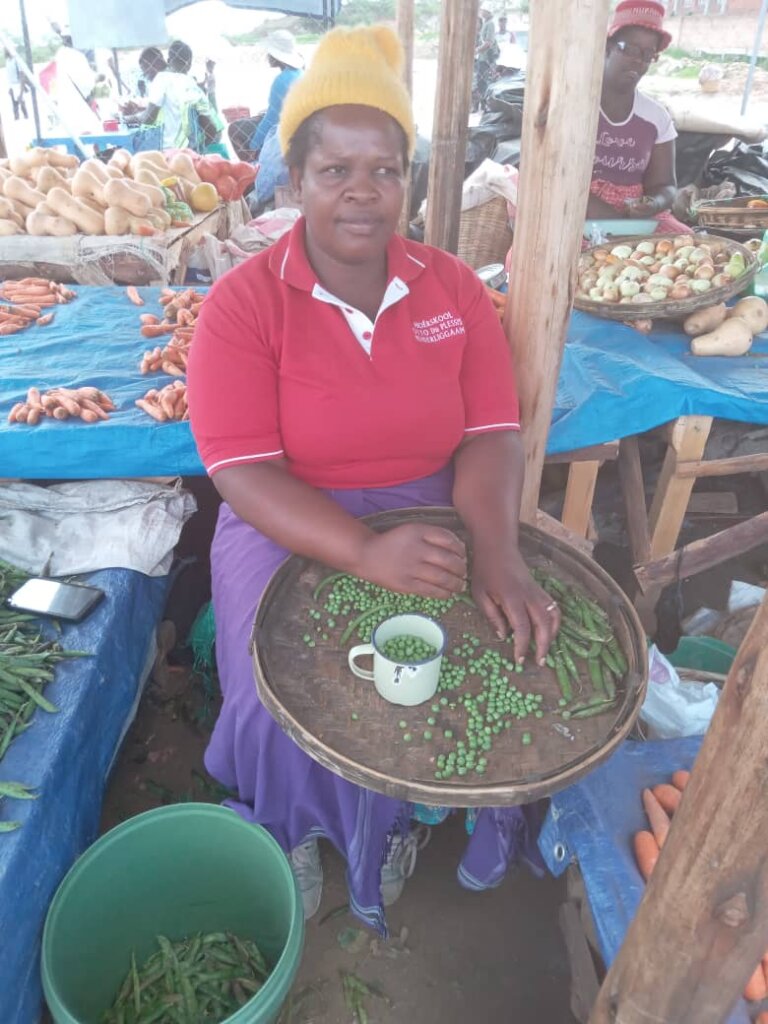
(551, 607)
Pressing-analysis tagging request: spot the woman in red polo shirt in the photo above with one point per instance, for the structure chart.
(346, 371)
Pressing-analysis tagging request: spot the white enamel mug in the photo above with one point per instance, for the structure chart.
(399, 683)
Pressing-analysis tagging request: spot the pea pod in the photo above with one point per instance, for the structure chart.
(563, 677)
(596, 675)
(596, 709)
(326, 581)
(611, 660)
(616, 651)
(378, 609)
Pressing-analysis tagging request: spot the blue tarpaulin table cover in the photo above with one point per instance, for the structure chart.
(614, 382)
(66, 757)
(593, 822)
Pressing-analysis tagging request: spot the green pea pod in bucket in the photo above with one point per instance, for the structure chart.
(175, 871)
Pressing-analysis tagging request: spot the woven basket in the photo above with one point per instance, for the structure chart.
(732, 213)
(672, 309)
(484, 234)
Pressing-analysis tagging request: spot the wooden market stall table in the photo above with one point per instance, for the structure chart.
(614, 383)
(66, 758)
(591, 824)
(101, 259)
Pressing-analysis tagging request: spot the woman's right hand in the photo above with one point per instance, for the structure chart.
(415, 559)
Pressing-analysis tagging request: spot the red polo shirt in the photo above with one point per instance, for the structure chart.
(279, 369)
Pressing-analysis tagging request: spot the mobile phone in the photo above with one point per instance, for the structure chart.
(68, 601)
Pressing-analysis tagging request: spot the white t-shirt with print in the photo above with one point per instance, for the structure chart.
(174, 94)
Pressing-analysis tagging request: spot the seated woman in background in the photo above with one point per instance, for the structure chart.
(634, 168)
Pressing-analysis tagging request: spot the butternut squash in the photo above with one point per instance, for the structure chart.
(44, 224)
(16, 188)
(118, 221)
(121, 159)
(113, 171)
(160, 218)
(123, 193)
(9, 227)
(732, 338)
(97, 169)
(705, 320)
(146, 176)
(85, 185)
(155, 194)
(24, 163)
(88, 221)
(181, 165)
(67, 161)
(48, 178)
(754, 310)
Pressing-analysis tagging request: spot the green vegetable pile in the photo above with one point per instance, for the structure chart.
(27, 663)
(479, 681)
(407, 650)
(200, 980)
(585, 634)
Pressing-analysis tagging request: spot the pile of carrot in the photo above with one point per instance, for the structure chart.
(26, 301)
(498, 299)
(660, 804)
(180, 311)
(89, 404)
(168, 403)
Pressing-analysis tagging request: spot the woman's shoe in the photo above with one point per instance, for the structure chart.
(305, 861)
(401, 862)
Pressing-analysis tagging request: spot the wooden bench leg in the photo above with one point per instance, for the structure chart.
(579, 492)
(687, 441)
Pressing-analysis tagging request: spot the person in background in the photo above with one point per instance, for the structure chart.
(486, 55)
(502, 36)
(136, 111)
(73, 86)
(208, 84)
(175, 100)
(343, 371)
(17, 86)
(281, 54)
(634, 169)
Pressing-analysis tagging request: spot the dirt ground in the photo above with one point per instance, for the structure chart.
(453, 955)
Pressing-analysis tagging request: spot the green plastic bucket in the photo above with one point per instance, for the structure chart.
(704, 652)
(174, 871)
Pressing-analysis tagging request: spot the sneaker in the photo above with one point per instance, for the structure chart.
(305, 861)
(401, 862)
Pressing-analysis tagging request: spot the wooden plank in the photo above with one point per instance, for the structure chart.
(558, 148)
(703, 554)
(579, 492)
(557, 530)
(633, 489)
(703, 923)
(458, 26)
(584, 983)
(755, 463)
(603, 452)
(688, 439)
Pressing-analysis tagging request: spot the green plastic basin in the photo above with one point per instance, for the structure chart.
(174, 871)
(705, 652)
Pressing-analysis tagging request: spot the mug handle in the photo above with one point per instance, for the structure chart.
(358, 652)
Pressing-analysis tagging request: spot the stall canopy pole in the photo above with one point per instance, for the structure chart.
(458, 28)
(755, 54)
(562, 93)
(703, 923)
(404, 22)
(28, 56)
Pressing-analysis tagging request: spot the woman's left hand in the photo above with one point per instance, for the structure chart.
(508, 595)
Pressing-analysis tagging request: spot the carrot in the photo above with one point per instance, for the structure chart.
(34, 414)
(680, 779)
(43, 321)
(12, 414)
(96, 411)
(156, 330)
(756, 988)
(60, 413)
(149, 318)
(88, 416)
(668, 796)
(151, 409)
(9, 329)
(657, 816)
(70, 404)
(172, 369)
(33, 398)
(133, 295)
(22, 413)
(646, 853)
(167, 404)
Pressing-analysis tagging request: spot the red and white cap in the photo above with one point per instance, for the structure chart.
(641, 14)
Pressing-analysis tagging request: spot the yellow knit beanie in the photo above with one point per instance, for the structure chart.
(355, 65)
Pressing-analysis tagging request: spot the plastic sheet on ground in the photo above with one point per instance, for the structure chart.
(593, 822)
(614, 382)
(65, 757)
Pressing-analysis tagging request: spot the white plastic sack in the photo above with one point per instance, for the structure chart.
(672, 708)
(487, 182)
(83, 526)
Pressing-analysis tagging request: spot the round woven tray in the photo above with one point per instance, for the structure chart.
(672, 309)
(344, 724)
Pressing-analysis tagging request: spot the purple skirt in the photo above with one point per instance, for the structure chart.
(281, 787)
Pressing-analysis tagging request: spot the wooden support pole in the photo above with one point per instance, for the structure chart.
(579, 494)
(703, 923)
(633, 488)
(755, 463)
(562, 93)
(704, 554)
(458, 26)
(687, 442)
(404, 23)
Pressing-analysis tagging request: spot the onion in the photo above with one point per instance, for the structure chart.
(670, 271)
(659, 294)
(664, 245)
(622, 252)
(629, 289)
(680, 291)
(705, 272)
(683, 240)
(699, 287)
(647, 248)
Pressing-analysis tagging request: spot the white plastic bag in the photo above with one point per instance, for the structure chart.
(673, 708)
